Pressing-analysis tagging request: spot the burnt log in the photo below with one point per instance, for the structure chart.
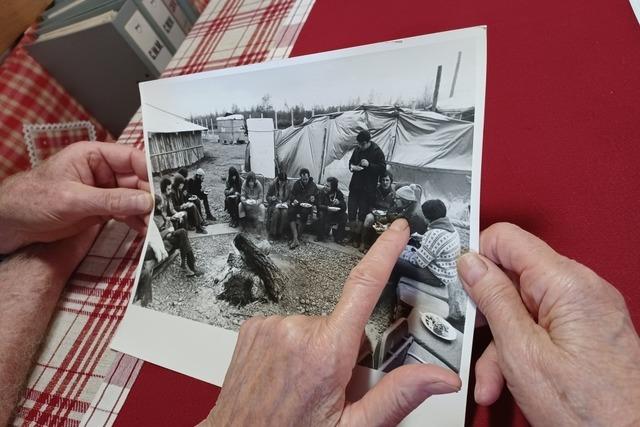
(239, 285)
(261, 265)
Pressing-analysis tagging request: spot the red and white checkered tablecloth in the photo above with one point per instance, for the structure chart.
(76, 374)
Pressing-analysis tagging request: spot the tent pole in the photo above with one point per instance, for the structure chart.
(436, 90)
(455, 74)
(324, 152)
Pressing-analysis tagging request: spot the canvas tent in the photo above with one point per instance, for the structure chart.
(173, 141)
(421, 147)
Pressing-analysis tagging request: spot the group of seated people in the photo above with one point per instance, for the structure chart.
(184, 199)
(286, 208)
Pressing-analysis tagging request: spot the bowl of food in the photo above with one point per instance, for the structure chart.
(306, 205)
(193, 198)
(250, 201)
(333, 209)
(438, 326)
(356, 168)
(281, 205)
(379, 212)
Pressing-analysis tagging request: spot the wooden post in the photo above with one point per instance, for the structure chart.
(436, 90)
(276, 114)
(291, 118)
(455, 74)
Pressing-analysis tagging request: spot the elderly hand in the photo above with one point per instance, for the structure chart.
(563, 339)
(294, 370)
(83, 185)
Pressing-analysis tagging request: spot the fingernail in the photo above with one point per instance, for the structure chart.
(472, 268)
(142, 202)
(442, 387)
(399, 225)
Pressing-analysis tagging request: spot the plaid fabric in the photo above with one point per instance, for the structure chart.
(30, 96)
(76, 375)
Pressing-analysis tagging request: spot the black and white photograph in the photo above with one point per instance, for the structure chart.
(271, 182)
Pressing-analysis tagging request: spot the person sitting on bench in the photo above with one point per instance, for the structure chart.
(301, 201)
(233, 187)
(163, 239)
(277, 198)
(179, 202)
(434, 262)
(384, 201)
(251, 205)
(331, 210)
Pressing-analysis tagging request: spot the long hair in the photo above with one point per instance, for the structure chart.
(333, 183)
(177, 180)
(165, 182)
(233, 172)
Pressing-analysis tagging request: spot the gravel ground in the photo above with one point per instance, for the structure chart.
(316, 275)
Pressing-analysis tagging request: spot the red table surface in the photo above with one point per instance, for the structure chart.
(561, 145)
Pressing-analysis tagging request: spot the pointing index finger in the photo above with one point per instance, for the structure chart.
(367, 279)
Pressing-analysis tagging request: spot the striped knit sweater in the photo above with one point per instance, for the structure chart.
(439, 250)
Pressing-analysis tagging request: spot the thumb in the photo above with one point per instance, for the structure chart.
(111, 202)
(398, 393)
(496, 297)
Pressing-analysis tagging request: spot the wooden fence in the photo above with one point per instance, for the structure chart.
(170, 151)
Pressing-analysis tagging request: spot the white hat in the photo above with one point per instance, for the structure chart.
(406, 193)
(200, 171)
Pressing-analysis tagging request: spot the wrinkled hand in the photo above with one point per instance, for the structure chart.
(563, 339)
(293, 371)
(83, 185)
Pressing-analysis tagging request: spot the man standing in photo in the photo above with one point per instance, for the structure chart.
(367, 164)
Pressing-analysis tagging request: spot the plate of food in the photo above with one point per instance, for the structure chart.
(250, 201)
(305, 205)
(380, 227)
(282, 206)
(333, 208)
(232, 196)
(438, 326)
(379, 212)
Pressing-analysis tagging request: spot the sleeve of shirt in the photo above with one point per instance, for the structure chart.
(353, 160)
(424, 255)
(378, 164)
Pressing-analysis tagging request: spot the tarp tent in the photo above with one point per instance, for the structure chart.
(421, 147)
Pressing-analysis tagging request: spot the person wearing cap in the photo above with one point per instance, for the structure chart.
(194, 187)
(405, 205)
(367, 164)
